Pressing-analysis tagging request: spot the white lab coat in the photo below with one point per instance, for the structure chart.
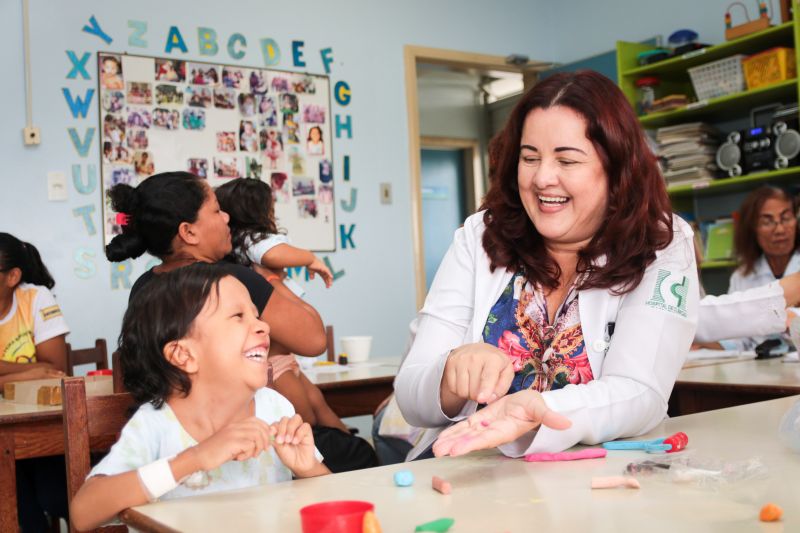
(760, 276)
(759, 311)
(634, 372)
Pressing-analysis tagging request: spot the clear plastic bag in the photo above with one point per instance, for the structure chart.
(789, 429)
(700, 471)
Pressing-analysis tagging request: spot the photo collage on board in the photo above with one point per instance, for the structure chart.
(219, 122)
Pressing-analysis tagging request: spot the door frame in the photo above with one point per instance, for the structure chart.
(412, 55)
(474, 186)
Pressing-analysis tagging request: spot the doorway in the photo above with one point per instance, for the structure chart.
(448, 165)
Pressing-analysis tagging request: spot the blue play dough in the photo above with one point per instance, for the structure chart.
(403, 478)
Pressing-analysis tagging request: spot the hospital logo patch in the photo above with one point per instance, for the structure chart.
(50, 312)
(670, 293)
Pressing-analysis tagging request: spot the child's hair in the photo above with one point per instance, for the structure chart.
(15, 253)
(155, 210)
(161, 312)
(250, 206)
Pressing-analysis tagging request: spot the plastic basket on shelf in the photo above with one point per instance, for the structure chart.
(718, 78)
(770, 66)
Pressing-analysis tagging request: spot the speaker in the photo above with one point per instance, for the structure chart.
(729, 154)
(787, 144)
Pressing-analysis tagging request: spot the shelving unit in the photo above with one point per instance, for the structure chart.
(674, 79)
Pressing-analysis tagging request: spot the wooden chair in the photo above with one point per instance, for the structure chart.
(97, 355)
(90, 424)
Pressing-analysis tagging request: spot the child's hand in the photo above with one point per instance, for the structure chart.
(294, 444)
(40, 372)
(318, 267)
(237, 441)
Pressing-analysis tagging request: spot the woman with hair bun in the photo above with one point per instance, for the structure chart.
(175, 216)
(567, 305)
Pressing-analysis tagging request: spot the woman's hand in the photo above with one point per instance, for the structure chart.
(238, 441)
(479, 372)
(319, 267)
(294, 444)
(503, 421)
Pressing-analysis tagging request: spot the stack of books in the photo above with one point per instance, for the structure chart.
(687, 152)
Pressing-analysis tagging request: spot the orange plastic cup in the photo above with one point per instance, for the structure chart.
(334, 517)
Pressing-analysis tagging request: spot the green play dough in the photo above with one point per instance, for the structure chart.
(439, 526)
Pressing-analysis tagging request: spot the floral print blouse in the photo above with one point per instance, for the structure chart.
(545, 356)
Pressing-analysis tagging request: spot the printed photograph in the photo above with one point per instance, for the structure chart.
(289, 103)
(143, 164)
(194, 119)
(202, 74)
(252, 167)
(258, 82)
(280, 84)
(169, 95)
(307, 208)
(122, 175)
(226, 141)
(116, 153)
(305, 86)
(114, 129)
(170, 70)
(290, 129)
(325, 171)
(232, 77)
(140, 93)
(314, 114)
(137, 139)
(247, 104)
(302, 186)
(139, 118)
(248, 136)
(199, 96)
(199, 167)
(167, 119)
(325, 194)
(297, 160)
(111, 72)
(113, 101)
(268, 111)
(279, 183)
(272, 146)
(226, 167)
(224, 98)
(315, 144)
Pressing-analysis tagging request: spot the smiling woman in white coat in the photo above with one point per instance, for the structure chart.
(565, 308)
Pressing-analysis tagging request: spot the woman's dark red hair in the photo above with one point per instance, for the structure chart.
(638, 218)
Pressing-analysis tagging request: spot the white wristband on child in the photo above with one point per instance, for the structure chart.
(157, 479)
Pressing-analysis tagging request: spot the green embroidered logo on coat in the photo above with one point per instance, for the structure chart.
(669, 293)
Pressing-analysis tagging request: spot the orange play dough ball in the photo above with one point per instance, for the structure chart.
(770, 513)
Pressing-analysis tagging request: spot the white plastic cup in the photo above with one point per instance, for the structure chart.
(357, 348)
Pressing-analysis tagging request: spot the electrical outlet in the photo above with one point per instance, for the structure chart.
(386, 193)
(31, 135)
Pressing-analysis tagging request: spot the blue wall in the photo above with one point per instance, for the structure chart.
(376, 294)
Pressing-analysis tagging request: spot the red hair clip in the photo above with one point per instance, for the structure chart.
(122, 219)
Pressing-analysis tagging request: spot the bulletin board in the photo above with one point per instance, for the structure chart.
(220, 122)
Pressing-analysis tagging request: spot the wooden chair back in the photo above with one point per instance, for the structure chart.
(117, 367)
(97, 355)
(331, 345)
(90, 424)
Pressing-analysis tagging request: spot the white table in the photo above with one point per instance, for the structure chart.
(494, 494)
(358, 388)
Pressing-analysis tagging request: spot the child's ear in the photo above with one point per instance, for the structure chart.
(187, 233)
(179, 354)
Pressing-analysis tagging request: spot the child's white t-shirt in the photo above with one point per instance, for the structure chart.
(152, 434)
(256, 250)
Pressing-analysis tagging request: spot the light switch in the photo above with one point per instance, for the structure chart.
(56, 187)
(386, 193)
(31, 135)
